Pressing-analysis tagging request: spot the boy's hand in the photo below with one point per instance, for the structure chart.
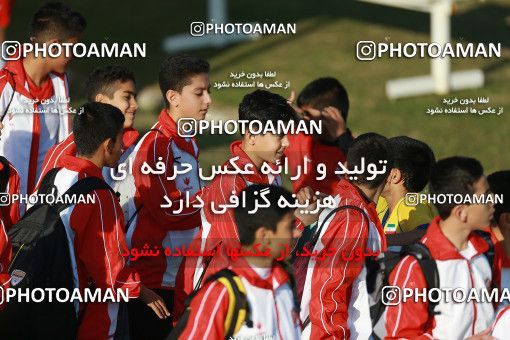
(303, 195)
(291, 100)
(154, 301)
(333, 124)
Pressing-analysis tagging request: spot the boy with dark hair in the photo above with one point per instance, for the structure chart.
(272, 313)
(253, 151)
(34, 99)
(459, 251)
(335, 300)
(325, 100)
(412, 163)
(184, 82)
(114, 85)
(95, 230)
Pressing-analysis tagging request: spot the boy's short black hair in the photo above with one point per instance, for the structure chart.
(176, 72)
(103, 80)
(453, 175)
(324, 92)
(247, 224)
(265, 106)
(55, 20)
(96, 123)
(414, 159)
(375, 149)
(499, 183)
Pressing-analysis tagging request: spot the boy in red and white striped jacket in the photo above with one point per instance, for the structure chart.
(273, 313)
(184, 83)
(95, 230)
(34, 99)
(114, 85)
(335, 299)
(252, 151)
(460, 255)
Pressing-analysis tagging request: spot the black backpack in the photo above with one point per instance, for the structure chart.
(380, 268)
(41, 259)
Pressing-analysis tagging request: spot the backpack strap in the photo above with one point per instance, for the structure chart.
(429, 268)
(83, 187)
(47, 183)
(207, 262)
(315, 237)
(132, 218)
(490, 253)
(238, 309)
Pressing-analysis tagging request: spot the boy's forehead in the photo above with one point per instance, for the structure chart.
(198, 81)
(124, 86)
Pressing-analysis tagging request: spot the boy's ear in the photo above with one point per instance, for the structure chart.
(262, 235)
(251, 138)
(108, 145)
(460, 213)
(100, 98)
(396, 176)
(173, 97)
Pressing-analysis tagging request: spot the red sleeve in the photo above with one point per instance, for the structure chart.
(100, 242)
(208, 310)
(153, 188)
(409, 319)
(223, 224)
(333, 278)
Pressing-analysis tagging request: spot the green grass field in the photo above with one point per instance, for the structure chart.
(327, 32)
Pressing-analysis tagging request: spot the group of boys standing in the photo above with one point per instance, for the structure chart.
(331, 299)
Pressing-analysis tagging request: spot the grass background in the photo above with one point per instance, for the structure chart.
(327, 33)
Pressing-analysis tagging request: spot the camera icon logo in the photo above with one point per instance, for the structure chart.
(5, 199)
(11, 50)
(187, 127)
(411, 199)
(365, 50)
(391, 295)
(197, 29)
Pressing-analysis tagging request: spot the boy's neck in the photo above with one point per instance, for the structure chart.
(455, 232)
(370, 194)
(95, 158)
(35, 69)
(257, 161)
(173, 114)
(259, 261)
(395, 195)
